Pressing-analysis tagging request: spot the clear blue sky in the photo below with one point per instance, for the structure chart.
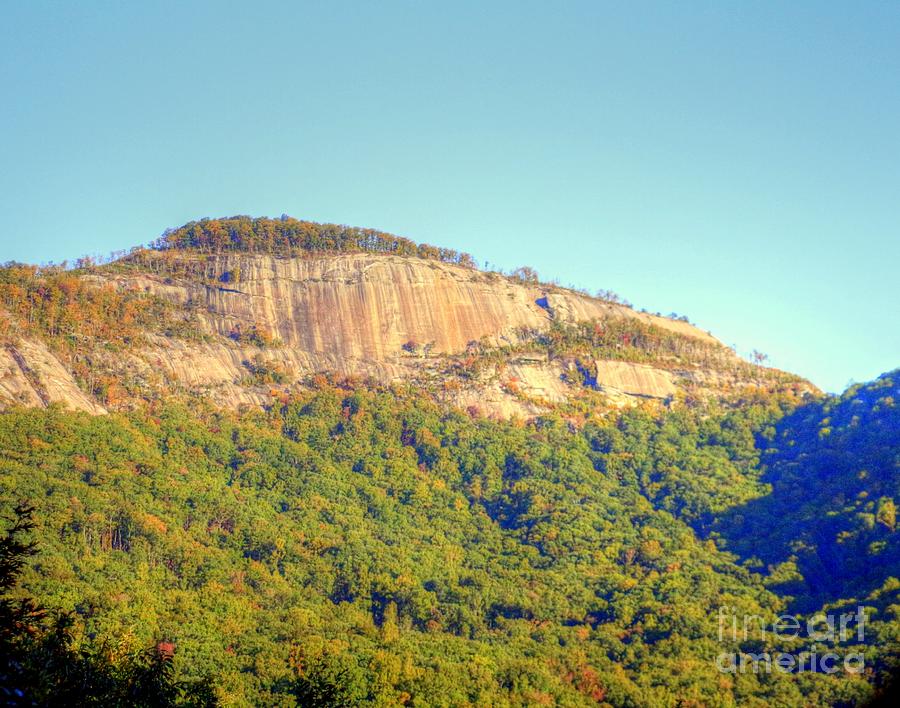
(739, 163)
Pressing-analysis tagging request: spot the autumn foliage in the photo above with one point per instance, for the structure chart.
(287, 236)
(66, 304)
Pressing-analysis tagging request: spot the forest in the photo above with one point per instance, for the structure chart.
(287, 236)
(363, 545)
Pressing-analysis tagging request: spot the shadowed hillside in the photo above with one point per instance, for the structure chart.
(834, 471)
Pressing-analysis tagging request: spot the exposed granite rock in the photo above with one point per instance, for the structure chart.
(31, 375)
(380, 316)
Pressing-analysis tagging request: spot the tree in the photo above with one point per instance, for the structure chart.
(887, 512)
(39, 664)
(526, 274)
(758, 357)
(331, 682)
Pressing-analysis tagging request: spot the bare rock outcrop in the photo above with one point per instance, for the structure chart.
(367, 306)
(353, 314)
(31, 375)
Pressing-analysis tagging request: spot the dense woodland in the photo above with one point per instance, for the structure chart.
(42, 661)
(287, 236)
(833, 467)
(359, 546)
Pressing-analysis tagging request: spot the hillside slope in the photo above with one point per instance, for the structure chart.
(375, 549)
(336, 467)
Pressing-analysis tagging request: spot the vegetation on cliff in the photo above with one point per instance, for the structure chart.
(65, 307)
(84, 322)
(85, 313)
(702, 369)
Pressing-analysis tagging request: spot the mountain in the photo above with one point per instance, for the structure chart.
(240, 309)
(317, 465)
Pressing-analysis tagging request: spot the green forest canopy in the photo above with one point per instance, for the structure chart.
(368, 546)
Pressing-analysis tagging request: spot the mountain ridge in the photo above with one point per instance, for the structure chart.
(243, 326)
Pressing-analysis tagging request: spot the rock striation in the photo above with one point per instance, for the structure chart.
(376, 315)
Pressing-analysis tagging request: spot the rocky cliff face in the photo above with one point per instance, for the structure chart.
(366, 307)
(31, 375)
(381, 316)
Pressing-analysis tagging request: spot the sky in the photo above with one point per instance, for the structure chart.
(738, 163)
